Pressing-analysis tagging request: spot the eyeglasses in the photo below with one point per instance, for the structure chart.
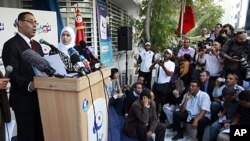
(31, 22)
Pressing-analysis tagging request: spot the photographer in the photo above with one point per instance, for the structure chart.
(236, 53)
(162, 86)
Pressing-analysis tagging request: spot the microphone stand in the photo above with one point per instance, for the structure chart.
(126, 73)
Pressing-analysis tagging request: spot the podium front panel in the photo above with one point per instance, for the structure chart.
(67, 110)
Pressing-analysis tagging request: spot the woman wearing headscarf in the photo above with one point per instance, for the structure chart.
(67, 39)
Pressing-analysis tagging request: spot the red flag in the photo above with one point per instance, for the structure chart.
(79, 24)
(188, 19)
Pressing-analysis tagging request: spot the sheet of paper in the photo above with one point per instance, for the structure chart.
(221, 119)
(9, 130)
(56, 63)
(226, 130)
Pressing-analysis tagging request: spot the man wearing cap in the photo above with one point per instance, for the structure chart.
(162, 87)
(146, 58)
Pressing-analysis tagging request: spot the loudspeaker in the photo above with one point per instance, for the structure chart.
(124, 38)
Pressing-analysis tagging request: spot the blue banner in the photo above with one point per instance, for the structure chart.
(105, 41)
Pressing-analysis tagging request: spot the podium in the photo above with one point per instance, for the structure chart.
(67, 109)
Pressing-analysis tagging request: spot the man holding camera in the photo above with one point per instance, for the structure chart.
(162, 87)
(236, 53)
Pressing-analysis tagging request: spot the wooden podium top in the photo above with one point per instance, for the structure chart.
(70, 84)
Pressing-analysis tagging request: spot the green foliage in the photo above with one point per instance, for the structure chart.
(165, 17)
(207, 15)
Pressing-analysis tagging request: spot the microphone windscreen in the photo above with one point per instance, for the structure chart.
(74, 59)
(8, 70)
(35, 59)
(83, 44)
(72, 51)
(41, 41)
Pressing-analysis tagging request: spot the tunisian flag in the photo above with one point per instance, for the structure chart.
(79, 24)
(188, 22)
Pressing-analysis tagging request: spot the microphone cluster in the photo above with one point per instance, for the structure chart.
(79, 62)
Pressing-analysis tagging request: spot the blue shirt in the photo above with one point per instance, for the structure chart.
(217, 92)
(201, 101)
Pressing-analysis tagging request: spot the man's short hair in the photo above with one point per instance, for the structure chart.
(205, 71)
(228, 91)
(197, 82)
(21, 16)
(146, 93)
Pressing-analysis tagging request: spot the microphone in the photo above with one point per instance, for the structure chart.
(8, 71)
(76, 61)
(36, 60)
(53, 48)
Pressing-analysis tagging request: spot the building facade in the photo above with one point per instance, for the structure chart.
(235, 12)
(120, 12)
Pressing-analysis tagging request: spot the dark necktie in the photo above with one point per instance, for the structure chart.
(203, 87)
(33, 47)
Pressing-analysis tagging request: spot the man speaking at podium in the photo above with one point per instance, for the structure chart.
(23, 96)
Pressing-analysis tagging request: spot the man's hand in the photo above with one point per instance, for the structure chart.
(32, 87)
(149, 134)
(145, 102)
(3, 83)
(161, 63)
(188, 96)
(194, 124)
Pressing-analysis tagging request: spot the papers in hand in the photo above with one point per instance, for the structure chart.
(115, 96)
(56, 63)
(221, 119)
(226, 130)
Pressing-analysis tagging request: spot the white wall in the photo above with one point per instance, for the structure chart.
(231, 14)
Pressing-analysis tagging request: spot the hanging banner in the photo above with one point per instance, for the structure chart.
(105, 41)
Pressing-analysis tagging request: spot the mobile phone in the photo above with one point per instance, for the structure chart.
(220, 79)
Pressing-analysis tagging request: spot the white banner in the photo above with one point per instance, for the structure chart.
(46, 28)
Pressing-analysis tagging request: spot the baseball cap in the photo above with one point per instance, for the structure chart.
(169, 51)
(148, 43)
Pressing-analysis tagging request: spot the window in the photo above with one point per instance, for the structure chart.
(118, 17)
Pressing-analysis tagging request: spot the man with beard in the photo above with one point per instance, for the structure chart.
(233, 51)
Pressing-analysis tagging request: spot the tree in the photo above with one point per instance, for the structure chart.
(164, 17)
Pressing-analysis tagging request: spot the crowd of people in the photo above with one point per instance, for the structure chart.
(205, 84)
(204, 81)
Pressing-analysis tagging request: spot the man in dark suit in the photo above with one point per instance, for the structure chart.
(23, 96)
(132, 97)
(206, 84)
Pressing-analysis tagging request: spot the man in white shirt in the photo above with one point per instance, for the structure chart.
(162, 87)
(194, 109)
(146, 58)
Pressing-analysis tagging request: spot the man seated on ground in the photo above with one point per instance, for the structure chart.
(140, 80)
(132, 97)
(194, 109)
(207, 85)
(230, 106)
(168, 108)
(141, 121)
(231, 81)
(242, 117)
